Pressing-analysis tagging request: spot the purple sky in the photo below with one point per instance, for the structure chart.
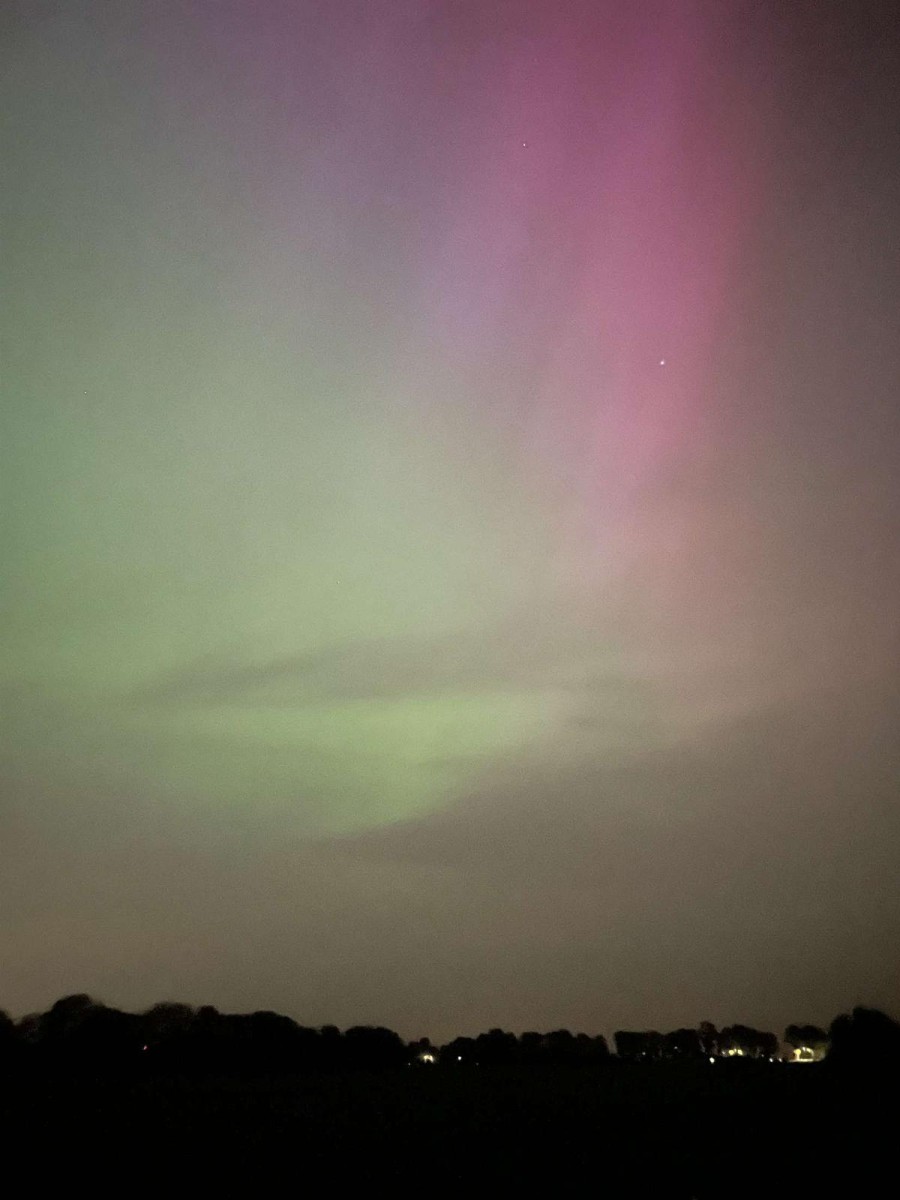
(451, 497)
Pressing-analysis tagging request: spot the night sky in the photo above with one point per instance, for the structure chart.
(451, 509)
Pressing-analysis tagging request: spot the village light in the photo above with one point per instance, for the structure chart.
(804, 1054)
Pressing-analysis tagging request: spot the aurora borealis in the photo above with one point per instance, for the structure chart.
(450, 510)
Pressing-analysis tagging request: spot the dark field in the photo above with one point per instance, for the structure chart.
(668, 1130)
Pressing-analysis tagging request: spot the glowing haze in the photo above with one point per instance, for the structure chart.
(450, 559)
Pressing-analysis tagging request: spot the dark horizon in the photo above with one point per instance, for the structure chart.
(256, 1103)
(79, 1002)
(83, 1031)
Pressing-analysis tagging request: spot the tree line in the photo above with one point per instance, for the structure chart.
(78, 1032)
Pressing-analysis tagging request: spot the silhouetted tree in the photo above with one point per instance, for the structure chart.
(592, 1049)
(80, 1033)
(532, 1051)
(768, 1044)
(496, 1048)
(10, 1046)
(308, 1054)
(562, 1048)
(263, 1041)
(682, 1043)
(633, 1046)
(459, 1053)
(64, 1017)
(709, 1038)
(627, 1044)
(373, 1048)
(28, 1029)
(332, 1046)
(866, 1039)
(750, 1043)
(422, 1053)
(166, 1020)
(809, 1036)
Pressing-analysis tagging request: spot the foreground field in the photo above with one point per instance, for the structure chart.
(669, 1131)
